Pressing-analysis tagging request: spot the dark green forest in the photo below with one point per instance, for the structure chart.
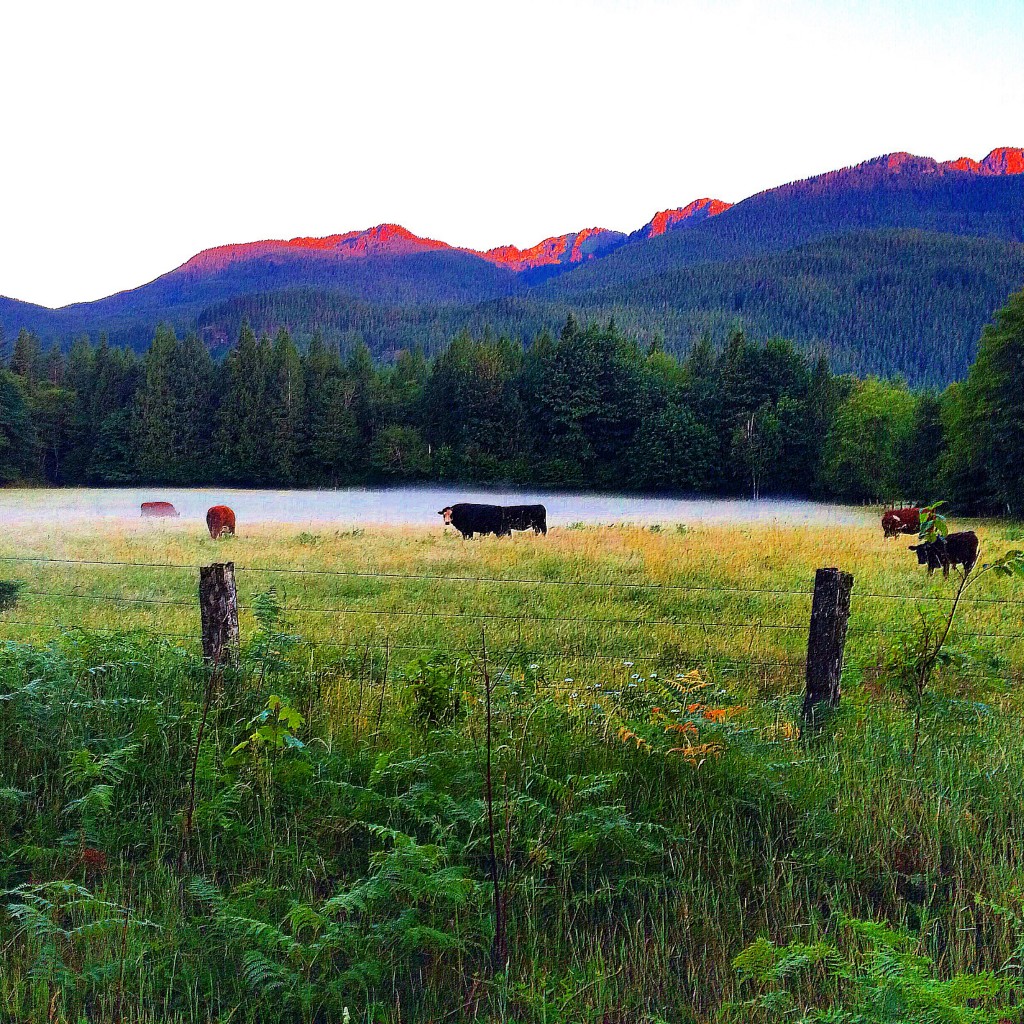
(590, 408)
(910, 303)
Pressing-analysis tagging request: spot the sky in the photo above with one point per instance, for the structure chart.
(137, 134)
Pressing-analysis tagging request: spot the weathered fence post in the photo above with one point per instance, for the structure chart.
(218, 605)
(830, 614)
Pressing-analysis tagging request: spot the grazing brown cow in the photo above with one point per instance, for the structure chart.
(901, 520)
(952, 550)
(158, 508)
(221, 521)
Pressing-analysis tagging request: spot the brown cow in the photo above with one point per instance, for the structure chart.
(901, 520)
(220, 521)
(952, 550)
(158, 509)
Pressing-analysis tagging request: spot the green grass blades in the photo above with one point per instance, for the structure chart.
(304, 837)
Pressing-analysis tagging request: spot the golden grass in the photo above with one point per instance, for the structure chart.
(729, 615)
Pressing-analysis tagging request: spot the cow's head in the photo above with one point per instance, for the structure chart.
(923, 551)
(447, 513)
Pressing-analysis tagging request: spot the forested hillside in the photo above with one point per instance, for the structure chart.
(906, 303)
(888, 303)
(588, 409)
(890, 267)
(879, 194)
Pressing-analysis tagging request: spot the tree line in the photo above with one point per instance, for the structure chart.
(589, 408)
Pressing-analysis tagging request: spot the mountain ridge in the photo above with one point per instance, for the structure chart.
(389, 279)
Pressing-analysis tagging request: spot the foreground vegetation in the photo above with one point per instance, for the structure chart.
(590, 409)
(314, 834)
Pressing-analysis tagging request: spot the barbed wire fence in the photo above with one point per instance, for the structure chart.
(716, 641)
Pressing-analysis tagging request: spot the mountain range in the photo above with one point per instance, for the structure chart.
(891, 266)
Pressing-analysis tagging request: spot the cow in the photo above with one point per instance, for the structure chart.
(901, 520)
(158, 509)
(526, 517)
(468, 519)
(220, 521)
(952, 550)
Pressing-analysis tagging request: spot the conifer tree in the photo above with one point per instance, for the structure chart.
(79, 377)
(245, 412)
(155, 412)
(16, 430)
(287, 400)
(987, 422)
(194, 379)
(27, 357)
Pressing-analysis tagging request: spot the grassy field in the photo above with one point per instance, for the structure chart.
(174, 848)
(639, 616)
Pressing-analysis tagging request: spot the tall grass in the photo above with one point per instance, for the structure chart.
(648, 828)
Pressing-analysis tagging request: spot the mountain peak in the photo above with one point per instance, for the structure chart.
(682, 216)
(381, 240)
(387, 239)
(1004, 160)
(574, 247)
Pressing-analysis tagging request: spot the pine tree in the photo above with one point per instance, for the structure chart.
(117, 376)
(330, 433)
(155, 413)
(16, 430)
(52, 369)
(79, 377)
(27, 357)
(987, 423)
(194, 377)
(245, 412)
(287, 400)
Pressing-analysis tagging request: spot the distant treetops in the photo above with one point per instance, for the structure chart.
(591, 408)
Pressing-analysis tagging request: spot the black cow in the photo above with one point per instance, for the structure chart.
(526, 517)
(952, 550)
(469, 519)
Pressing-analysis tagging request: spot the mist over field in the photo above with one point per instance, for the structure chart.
(398, 506)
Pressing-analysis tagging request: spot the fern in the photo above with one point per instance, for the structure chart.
(882, 978)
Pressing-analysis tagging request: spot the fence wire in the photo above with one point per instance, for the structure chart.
(568, 649)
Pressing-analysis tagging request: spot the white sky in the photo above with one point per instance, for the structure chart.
(133, 135)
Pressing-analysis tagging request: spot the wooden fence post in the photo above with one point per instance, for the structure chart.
(830, 614)
(218, 605)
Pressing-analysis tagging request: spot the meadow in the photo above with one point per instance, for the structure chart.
(541, 779)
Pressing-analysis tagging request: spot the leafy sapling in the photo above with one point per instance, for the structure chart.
(912, 669)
